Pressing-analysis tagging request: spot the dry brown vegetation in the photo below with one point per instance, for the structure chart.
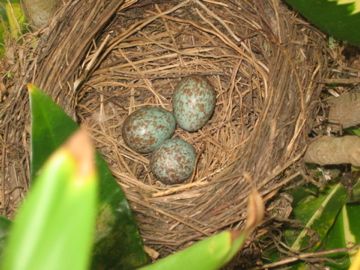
(101, 60)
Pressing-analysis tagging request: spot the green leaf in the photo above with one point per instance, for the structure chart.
(320, 214)
(50, 128)
(114, 247)
(54, 227)
(355, 194)
(317, 214)
(118, 243)
(208, 254)
(353, 131)
(3, 28)
(16, 19)
(303, 193)
(4, 229)
(355, 265)
(339, 18)
(344, 234)
(10, 1)
(12, 20)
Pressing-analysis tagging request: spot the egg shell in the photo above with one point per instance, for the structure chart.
(193, 102)
(147, 128)
(173, 162)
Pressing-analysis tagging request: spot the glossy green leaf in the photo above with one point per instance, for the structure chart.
(339, 18)
(355, 193)
(208, 254)
(50, 128)
(303, 193)
(317, 214)
(346, 230)
(344, 234)
(320, 213)
(54, 227)
(4, 229)
(117, 241)
(353, 131)
(355, 265)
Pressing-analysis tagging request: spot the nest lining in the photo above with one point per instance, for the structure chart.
(143, 70)
(263, 63)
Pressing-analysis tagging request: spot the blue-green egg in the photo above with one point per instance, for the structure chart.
(147, 128)
(193, 102)
(173, 162)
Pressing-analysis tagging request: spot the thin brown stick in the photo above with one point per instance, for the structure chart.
(304, 256)
(221, 21)
(342, 81)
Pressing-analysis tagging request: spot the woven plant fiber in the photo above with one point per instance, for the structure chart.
(101, 60)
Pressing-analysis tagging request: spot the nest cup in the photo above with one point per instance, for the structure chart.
(264, 64)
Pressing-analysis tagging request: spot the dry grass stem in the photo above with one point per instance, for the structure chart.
(264, 63)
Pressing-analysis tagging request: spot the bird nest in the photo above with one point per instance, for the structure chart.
(104, 60)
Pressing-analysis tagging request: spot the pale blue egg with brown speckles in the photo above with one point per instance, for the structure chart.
(193, 102)
(147, 128)
(173, 162)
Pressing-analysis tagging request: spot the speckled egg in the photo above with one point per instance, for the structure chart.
(147, 128)
(193, 102)
(173, 162)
